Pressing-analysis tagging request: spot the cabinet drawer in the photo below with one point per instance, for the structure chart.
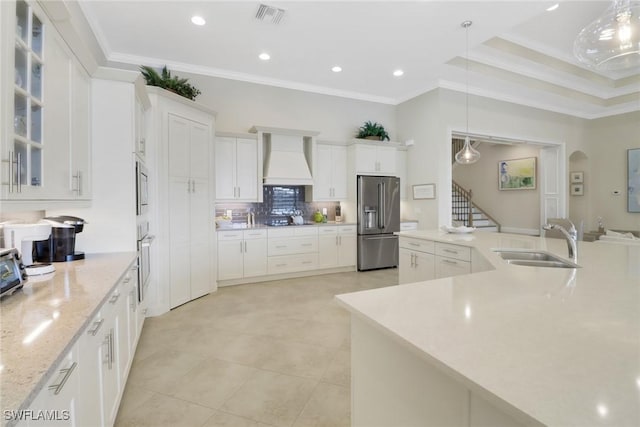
(453, 251)
(292, 246)
(254, 234)
(327, 230)
(347, 229)
(449, 267)
(417, 245)
(292, 263)
(230, 235)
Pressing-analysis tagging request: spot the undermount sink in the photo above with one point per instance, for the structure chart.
(534, 259)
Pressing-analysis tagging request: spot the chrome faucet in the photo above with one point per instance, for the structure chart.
(571, 236)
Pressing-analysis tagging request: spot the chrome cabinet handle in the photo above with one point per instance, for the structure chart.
(412, 257)
(193, 185)
(57, 388)
(415, 244)
(451, 251)
(447, 261)
(281, 246)
(143, 146)
(19, 172)
(114, 298)
(245, 247)
(78, 178)
(306, 262)
(97, 325)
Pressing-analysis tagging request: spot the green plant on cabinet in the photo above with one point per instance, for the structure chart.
(165, 80)
(373, 130)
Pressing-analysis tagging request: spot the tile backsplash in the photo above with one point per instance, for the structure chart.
(279, 202)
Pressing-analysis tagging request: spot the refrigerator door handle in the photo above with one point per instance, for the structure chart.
(381, 205)
(382, 237)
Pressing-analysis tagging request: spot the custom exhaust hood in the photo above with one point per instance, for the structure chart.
(285, 160)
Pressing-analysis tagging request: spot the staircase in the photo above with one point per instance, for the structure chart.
(465, 212)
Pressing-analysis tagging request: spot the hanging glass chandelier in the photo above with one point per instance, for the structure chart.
(468, 154)
(612, 42)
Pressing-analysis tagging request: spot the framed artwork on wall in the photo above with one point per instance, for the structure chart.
(633, 179)
(577, 177)
(424, 191)
(517, 174)
(577, 189)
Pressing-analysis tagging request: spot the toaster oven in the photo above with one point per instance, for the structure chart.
(12, 272)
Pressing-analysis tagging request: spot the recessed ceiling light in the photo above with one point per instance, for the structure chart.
(198, 20)
(336, 69)
(398, 73)
(264, 56)
(554, 7)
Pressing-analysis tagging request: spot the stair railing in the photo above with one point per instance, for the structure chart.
(463, 205)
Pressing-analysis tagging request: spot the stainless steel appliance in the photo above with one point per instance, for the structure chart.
(61, 245)
(378, 219)
(11, 271)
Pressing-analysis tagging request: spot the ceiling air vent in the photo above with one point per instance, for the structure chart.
(269, 14)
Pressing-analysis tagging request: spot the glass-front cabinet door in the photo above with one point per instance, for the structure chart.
(22, 158)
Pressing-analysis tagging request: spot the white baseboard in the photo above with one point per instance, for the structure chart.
(515, 230)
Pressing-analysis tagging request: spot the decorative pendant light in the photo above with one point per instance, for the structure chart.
(612, 42)
(468, 154)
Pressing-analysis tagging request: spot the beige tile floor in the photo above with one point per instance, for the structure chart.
(267, 354)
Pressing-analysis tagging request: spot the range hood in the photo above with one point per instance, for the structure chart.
(285, 161)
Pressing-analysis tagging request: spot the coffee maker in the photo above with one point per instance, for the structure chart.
(61, 246)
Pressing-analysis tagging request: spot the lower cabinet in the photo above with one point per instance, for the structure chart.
(425, 260)
(57, 404)
(337, 246)
(252, 253)
(452, 260)
(90, 380)
(416, 260)
(242, 253)
(292, 249)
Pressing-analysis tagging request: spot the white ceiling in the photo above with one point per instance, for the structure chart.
(518, 52)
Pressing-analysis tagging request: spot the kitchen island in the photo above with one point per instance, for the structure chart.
(515, 345)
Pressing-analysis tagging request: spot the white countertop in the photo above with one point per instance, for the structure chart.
(561, 345)
(64, 302)
(243, 226)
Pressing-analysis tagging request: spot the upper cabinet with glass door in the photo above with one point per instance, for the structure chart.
(24, 157)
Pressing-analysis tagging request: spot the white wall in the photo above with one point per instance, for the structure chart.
(513, 209)
(242, 105)
(608, 140)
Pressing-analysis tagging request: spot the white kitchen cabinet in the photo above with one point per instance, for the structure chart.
(402, 173)
(452, 260)
(292, 249)
(180, 134)
(416, 260)
(242, 254)
(189, 215)
(337, 246)
(375, 159)
(330, 172)
(57, 400)
(46, 151)
(236, 169)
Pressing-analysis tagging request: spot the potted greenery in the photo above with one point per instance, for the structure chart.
(171, 83)
(373, 131)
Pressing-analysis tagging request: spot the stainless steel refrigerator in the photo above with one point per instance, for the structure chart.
(378, 219)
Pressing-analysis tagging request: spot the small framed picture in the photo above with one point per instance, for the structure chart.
(424, 191)
(577, 177)
(577, 190)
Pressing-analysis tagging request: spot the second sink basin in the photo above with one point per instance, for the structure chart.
(534, 259)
